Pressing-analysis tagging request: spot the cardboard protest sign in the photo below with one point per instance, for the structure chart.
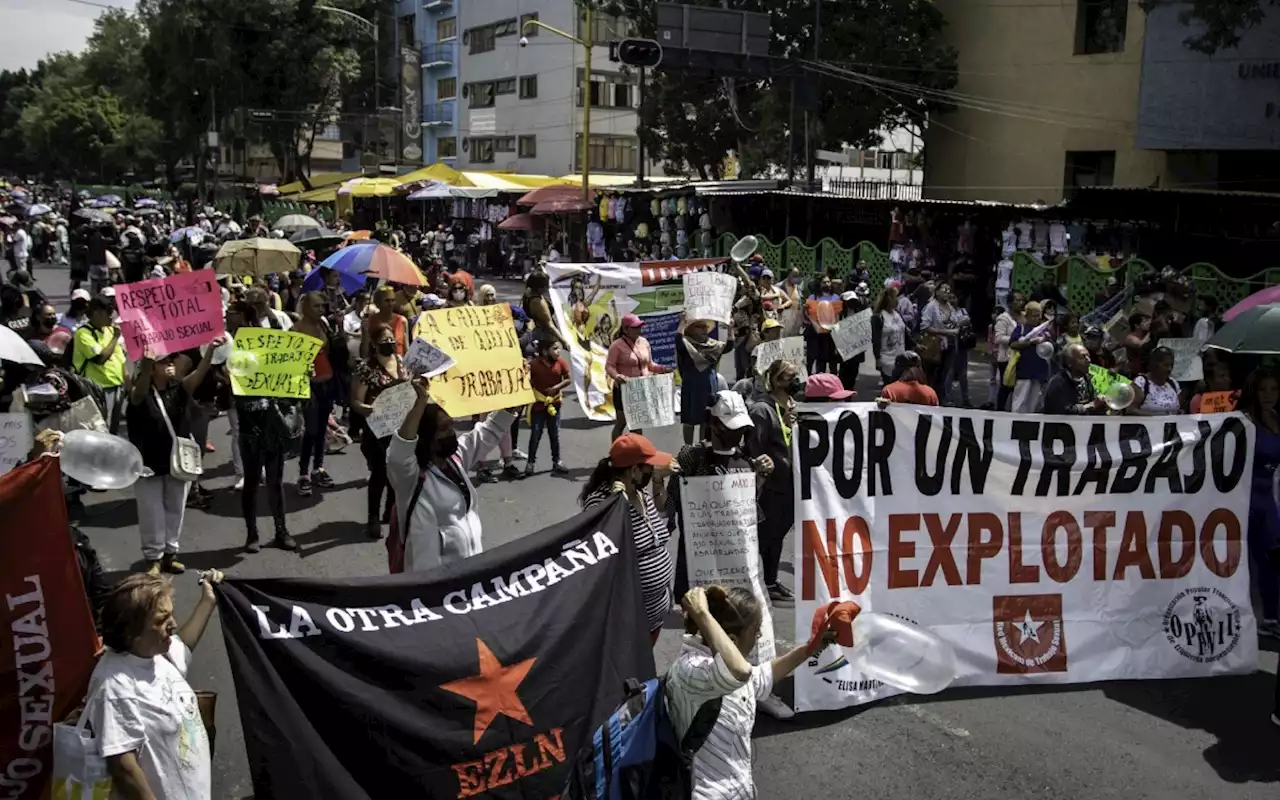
(490, 372)
(1000, 532)
(853, 334)
(1103, 379)
(649, 402)
(790, 348)
(169, 315)
(424, 358)
(271, 363)
(718, 518)
(1218, 402)
(390, 409)
(1187, 366)
(15, 439)
(709, 295)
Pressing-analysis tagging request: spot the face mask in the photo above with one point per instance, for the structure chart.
(446, 447)
(641, 480)
(796, 386)
(459, 294)
(387, 348)
(727, 439)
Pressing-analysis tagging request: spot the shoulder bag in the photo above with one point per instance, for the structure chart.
(184, 454)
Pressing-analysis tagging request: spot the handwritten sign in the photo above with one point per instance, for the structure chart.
(709, 295)
(278, 363)
(490, 372)
(15, 440)
(1218, 402)
(649, 402)
(1186, 358)
(424, 358)
(790, 348)
(390, 409)
(853, 335)
(718, 518)
(169, 315)
(1103, 379)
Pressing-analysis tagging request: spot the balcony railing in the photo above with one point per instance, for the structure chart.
(439, 54)
(432, 5)
(439, 114)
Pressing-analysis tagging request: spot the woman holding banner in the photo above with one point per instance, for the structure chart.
(697, 355)
(629, 357)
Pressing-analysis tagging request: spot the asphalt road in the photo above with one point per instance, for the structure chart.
(1192, 740)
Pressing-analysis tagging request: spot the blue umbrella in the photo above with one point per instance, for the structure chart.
(350, 282)
(38, 209)
(146, 202)
(100, 203)
(195, 234)
(110, 199)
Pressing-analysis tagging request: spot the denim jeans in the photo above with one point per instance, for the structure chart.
(544, 421)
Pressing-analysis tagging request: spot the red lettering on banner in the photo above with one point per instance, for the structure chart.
(1133, 548)
(900, 578)
(833, 558)
(982, 548)
(1100, 522)
(1019, 572)
(1179, 567)
(1224, 518)
(509, 764)
(942, 558)
(1061, 520)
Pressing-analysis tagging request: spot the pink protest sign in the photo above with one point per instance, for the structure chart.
(168, 315)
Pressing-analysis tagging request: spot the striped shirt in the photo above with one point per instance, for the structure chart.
(656, 570)
(722, 767)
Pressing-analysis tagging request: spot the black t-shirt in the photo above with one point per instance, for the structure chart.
(20, 322)
(147, 429)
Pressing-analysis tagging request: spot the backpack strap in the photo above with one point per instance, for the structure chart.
(413, 503)
(701, 727)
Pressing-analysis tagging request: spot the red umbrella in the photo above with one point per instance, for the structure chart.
(554, 191)
(518, 222)
(563, 205)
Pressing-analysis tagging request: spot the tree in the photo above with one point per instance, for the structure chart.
(67, 129)
(691, 121)
(1218, 24)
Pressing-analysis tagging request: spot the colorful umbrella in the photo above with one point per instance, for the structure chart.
(1267, 296)
(351, 282)
(378, 261)
(1255, 332)
(359, 236)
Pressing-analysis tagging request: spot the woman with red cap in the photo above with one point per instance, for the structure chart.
(637, 470)
(629, 357)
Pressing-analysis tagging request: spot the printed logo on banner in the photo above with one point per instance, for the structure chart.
(1029, 634)
(1202, 624)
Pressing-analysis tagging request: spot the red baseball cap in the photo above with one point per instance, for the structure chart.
(632, 321)
(630, 449)
(825, 386)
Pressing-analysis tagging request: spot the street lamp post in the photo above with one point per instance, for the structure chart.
(586, 44)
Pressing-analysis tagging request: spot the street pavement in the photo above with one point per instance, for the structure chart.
(1186, 739)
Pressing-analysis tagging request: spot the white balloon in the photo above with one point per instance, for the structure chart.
(221, 353)
(1119, 397)
(242, 362)
(1045, 350)
(100, 460)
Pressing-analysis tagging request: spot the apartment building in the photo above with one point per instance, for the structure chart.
(1060, 94)
(427, 36)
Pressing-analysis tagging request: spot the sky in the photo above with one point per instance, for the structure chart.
(32, 29)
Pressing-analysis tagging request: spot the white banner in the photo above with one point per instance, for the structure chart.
(1044, 549)
(709, 295)
(853, 335)
(718, 515)
(650, 402)
(789, 348)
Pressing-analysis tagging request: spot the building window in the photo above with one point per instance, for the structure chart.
(405, 30)
(867, 158)
(884, 160)
(446, 88)
(528, 86)
(604, 27)
(607, 153)
(481, 95)
(504, 86)
(529, 147)
(532, 30)
(608, 90)
(447, 147)
(481, 39)
(482, 151)
(506, 27)
(446, 28)
(1100, 26)
(902, 160)
(1088, 168)
(504, 144)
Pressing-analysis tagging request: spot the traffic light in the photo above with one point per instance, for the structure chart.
(640, 52)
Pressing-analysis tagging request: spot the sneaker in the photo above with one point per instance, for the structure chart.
(528, 469)
(172, 565)
(304, 486)
(321, 479)
(511, 472)
(519, 454)
(559, 468)
(251, 544)
(487, 476)
(153, 567)
(239, 487)
(208, 446)
(775, 707)
(284, 541)
(780, 593)
(1269, 628)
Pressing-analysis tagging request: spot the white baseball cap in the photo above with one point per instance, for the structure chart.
(731, 410)
(80, 294)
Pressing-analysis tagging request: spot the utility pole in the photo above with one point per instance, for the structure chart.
(808, 121)
(586, 44)
(639, 135)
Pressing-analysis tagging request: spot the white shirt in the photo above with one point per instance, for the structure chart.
(722, 767)
(21, 244)
(146, 705)
(445, 523)
(893, 340)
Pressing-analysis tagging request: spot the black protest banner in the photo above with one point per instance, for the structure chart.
(482, 678)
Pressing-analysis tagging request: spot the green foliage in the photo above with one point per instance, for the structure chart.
(1218, 24)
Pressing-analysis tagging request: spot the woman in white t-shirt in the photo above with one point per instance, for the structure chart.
(144, 714)
(888, 332)
(1155, 392)
(715, 666)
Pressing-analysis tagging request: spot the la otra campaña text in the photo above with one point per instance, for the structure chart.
(32, 661)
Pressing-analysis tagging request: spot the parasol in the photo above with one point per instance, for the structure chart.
(555, 191)
(92, 215)
(39, 210)
(315, 236)
(1267, 296)
(351, 282)
(193, 233)
(13, 348)
(257, 257)
(110, 199)
(296, 222)
(376, 261)
(562, 205)
(146, 202)
(518, 222)
(1254, 332)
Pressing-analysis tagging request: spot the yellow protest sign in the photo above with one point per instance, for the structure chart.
(490, 372)
(271, 363)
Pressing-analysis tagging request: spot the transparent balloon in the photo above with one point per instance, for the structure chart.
(1118, 396)
(220, 353)
(743, 249)
(901, 654)
(101, 460)
(242, 362)
(1045, 350)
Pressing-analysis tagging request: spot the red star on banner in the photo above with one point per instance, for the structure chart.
(493, 690)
